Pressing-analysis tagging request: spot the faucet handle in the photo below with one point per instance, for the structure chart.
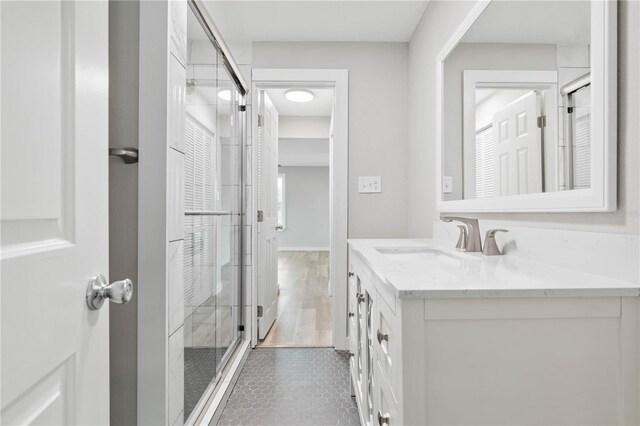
(462, 239)
(490, 246)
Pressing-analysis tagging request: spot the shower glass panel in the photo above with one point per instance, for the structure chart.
(213, 182)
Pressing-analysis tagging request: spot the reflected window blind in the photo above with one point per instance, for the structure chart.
(582, 152)
(200, 232)
(485, 183)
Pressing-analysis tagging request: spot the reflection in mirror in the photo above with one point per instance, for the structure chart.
(516, 104)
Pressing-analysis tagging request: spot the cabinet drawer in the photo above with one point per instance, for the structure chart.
(387, 343)
(386, 404)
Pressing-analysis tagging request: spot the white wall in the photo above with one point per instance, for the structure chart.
(377, 122)
(438, 24)
(306, 208)
(307, 127)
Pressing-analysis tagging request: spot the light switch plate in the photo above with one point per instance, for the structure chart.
(369, 184)
(447, 184)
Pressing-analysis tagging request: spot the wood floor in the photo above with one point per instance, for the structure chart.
(304, 304)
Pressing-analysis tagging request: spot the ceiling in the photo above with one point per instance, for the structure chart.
(320, 106)
(553, 22)
(307, 20)
(303, 152)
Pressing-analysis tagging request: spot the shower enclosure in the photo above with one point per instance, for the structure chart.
(214, 139)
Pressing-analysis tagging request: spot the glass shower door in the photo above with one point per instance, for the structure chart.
(213, 182)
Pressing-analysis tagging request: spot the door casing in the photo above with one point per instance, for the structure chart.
(321, 78)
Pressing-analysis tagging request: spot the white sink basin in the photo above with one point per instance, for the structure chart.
(415, 253)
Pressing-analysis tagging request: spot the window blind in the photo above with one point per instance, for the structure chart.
(485, 182)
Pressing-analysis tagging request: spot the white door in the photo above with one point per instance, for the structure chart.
(55, 350)
(518, 147)
(267, 204)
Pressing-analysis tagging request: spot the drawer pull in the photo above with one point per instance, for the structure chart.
(360, 297)
(351, 314)
(383, 419)
(382, 336)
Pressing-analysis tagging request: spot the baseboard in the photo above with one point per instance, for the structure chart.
(221, 395)
(303, 248)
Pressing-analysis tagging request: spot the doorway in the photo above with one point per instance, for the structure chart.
(294, 131)
(300, 152)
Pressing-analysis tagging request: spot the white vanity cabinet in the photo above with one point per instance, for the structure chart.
(430, 360)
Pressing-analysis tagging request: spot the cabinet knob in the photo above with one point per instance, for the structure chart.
(351, 274)
(382, 336)
(383, 419)
(360, 297)
(351, 314)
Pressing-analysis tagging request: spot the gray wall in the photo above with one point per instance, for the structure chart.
(123, 207)
(377, 122)
(438, 24)
(307, 208)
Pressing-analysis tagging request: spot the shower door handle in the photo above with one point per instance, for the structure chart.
(98, 291)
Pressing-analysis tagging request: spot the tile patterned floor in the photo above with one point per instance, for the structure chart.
(292, 386)
(199, 370)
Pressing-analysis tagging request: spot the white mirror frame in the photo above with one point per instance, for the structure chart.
(602, 195)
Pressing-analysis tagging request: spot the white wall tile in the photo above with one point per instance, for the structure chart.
(178, 30)
(188, 329)
(180, 420)
(176, 285)
(229, 155)
(176, 375)
(177, 93)
(175, 210)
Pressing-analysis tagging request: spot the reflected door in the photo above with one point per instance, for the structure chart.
(518, 147)
(55, 351)
(268, 209)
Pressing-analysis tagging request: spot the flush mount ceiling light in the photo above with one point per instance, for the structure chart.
(225, 94)
(299, 95)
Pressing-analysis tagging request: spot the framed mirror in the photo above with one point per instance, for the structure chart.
(526, 105)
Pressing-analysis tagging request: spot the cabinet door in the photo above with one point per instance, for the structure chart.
(368, 356)
(359, 336)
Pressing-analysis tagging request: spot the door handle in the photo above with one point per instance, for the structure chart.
(98, 290)
(383, 419)
(128, 155)
(382, 337)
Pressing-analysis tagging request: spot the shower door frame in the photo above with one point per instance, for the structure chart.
(199, 9)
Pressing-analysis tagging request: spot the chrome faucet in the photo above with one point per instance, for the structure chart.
(474, 243)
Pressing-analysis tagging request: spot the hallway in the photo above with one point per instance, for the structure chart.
(292, 386)
(304, 303)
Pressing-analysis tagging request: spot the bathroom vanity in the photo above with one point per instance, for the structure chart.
(439, 336)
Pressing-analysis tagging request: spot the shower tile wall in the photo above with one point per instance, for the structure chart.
(175, 180)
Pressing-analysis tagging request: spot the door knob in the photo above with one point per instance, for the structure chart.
(98, 290)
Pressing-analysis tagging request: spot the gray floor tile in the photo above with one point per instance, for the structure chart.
(292, 386)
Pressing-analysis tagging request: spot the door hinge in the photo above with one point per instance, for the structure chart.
(260, 216)
(542, 121)
(259, 311)
(260, 120)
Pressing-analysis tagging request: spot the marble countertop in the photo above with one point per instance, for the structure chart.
(445, 272)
